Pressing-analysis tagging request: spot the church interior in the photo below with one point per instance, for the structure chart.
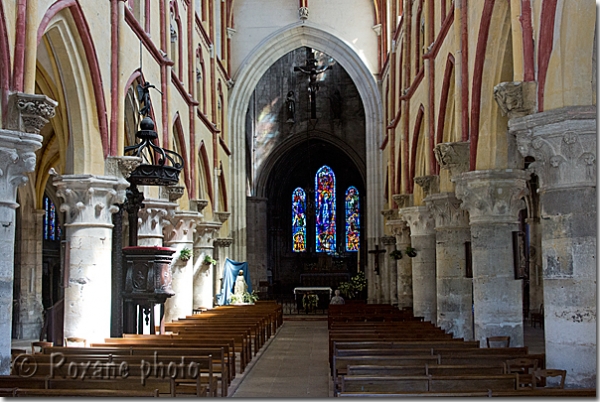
(435, 161)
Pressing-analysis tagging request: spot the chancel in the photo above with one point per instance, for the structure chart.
(165, 163)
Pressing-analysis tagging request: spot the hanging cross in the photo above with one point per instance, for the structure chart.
(376, 253)
(310, 68)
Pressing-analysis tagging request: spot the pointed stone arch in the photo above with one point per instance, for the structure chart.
(267, 52)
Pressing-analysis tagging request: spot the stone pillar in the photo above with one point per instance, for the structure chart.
(388, 264)
(454, 289)
(493, 199)
(151, 220)
(204, 274)
(563, 143)
(88, 205)
(17, 157)
(179, 232)
(403, 266)
(422, 235)
(221, 252)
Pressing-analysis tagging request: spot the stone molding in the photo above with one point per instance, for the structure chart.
(29, 113)
(403, 200)
(389, 213)
(453, 156)
(89, 200)
(181, 226)
(420, 220)
(492, 196)
(515, 99)
(446, 211)
(206, 232)
(223, 242)
(222, 216)
(388, 240)
(151, 217)
(121, 166)
(565, 156)
(430, 184)
(17, 157)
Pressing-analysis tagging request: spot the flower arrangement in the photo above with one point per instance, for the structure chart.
(309, 301)
(247, 297)
(411, 251)
(209, 260)
(352, 288)
(396, 254)
(185, 254)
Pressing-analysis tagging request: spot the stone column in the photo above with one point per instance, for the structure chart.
(88, 205)
(454, 289)
(179, 232)
(221, 252)
(563, 143)
(17, 157)
(151, 220)
(387, 265)
(204, 274)
(403, 266)
(493, 199)
(422, 235)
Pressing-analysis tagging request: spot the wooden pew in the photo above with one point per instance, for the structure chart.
(435, 369)
(576, 392)
(82, 393)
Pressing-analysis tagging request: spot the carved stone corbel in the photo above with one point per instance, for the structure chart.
(29, 113)
(515, 99)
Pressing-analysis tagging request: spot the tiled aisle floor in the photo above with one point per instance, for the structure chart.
(293, 365)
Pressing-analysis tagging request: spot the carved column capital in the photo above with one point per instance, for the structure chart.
(89, 200)
(389, 213)
(222, 216)
(206, 232)
(492, 196)
(453, 156)
(403, 200)
(121, 166)
(515, 99)
(420, 220)
(563, 143)
(447, 211)
(29, 113)
(223, 242)
(400, 229)
(17, 157)
(429, 184)
(152, 218)
(388, 240)
(181, 226)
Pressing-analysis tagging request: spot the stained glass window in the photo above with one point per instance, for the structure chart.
(298, 220)
(352, 219)
(51, 227)
(325, 209)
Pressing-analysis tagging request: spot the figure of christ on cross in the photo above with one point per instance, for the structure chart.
(376, 253)
(310, 68)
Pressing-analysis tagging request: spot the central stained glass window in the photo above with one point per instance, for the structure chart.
(325, 210)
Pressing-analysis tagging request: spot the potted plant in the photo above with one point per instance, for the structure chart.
(396, 254)
(354, 287)
(208, 260)
(411, 252)
(185, 254)
(250, 298)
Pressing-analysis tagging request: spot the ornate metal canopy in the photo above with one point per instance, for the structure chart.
(160, 166)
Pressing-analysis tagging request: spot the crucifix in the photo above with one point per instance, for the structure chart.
(376, 253)
(310, 69)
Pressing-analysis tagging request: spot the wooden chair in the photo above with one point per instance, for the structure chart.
(525, 367)
(504, 341)
(75, 339)
(540, 376)
(40, 344)
(537, 317)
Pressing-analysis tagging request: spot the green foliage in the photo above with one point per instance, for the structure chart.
(396, 254)
(309, 301)
(209, 260)
(410, 251)
(245, 298)
(352, 289)
(185, 254)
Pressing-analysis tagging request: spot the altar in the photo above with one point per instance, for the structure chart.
(323, 293)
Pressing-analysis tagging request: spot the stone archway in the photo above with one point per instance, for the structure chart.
(266, 53)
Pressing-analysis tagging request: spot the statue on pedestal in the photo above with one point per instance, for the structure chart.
(240, 287)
